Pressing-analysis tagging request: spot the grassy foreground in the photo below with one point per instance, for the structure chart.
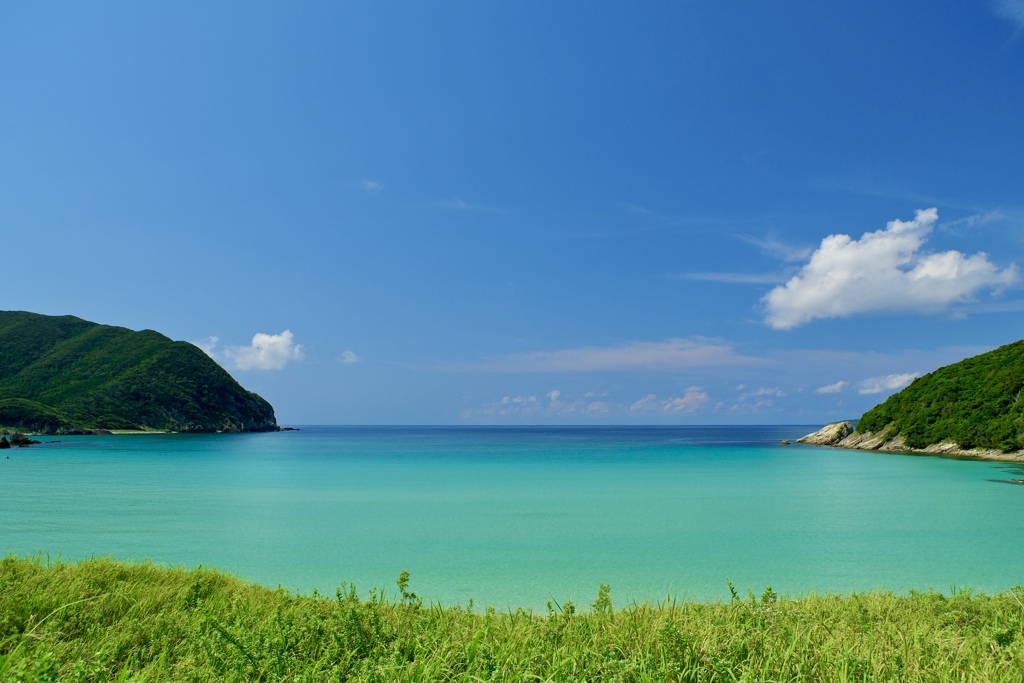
(100, 620)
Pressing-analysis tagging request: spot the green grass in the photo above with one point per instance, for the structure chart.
(99, 620)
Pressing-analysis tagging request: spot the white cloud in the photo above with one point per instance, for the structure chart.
(1012, 10)
(689, 402)
(348, 357)
(527, 400)
(207, 345)
(755, 400)
(674, 354)
(834, 388)
(876, 385)
(773, 247)
(267, 352)
(882, 271)
(647, 404)
(371, 186)
(764, 391)
(534, 407)
(975, 220)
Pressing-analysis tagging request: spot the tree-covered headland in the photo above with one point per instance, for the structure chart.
(63, 374)
(976, 403)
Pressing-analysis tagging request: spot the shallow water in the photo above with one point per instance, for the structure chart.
(514, 517)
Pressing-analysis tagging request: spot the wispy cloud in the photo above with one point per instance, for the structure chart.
(208, 345)
(733, 278)
(348, 357)
(774, 392)
(371, 186)
(639, 210)
(771, 246)
(674, 354)
(885, 190)
(975, 220)
(833, 388)
(552, 404)
(883, 271)
(749, 401)
(266, 352)
(876, 385)
(689, 402)
(457, 203)
(774, 247)
(780, 380)
(1012, 10)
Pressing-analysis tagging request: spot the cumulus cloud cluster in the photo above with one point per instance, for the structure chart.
(532, 406)
(689, 402)
(266, 352)
(674, 354)
(883, 271)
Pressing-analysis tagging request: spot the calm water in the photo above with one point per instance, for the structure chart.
(514, 517)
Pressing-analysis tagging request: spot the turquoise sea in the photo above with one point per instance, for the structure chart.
(517, 516)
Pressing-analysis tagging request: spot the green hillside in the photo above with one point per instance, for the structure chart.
(64, 373)
(976, 403)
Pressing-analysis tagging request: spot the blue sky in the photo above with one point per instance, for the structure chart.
(544, 213)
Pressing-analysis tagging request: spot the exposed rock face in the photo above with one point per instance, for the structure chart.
(841, 435)
(829, 435)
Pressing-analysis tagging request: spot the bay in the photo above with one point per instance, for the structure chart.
(518, 516)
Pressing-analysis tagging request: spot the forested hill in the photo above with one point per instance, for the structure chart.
(976, 403)
(60, 373)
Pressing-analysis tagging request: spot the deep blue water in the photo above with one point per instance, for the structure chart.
(513, 517)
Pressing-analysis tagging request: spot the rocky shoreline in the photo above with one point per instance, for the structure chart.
(842, 435)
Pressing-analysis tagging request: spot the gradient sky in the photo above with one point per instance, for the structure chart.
(526, 212)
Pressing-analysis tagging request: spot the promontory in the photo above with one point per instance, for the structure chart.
(62, 374)
(973, 408)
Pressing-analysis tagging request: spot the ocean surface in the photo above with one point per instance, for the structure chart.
(518, 516)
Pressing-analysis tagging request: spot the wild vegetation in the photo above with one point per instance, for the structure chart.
(976, 403)
(64, 373)
(99, 620)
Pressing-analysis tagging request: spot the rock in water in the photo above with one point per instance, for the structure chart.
(829, 435)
